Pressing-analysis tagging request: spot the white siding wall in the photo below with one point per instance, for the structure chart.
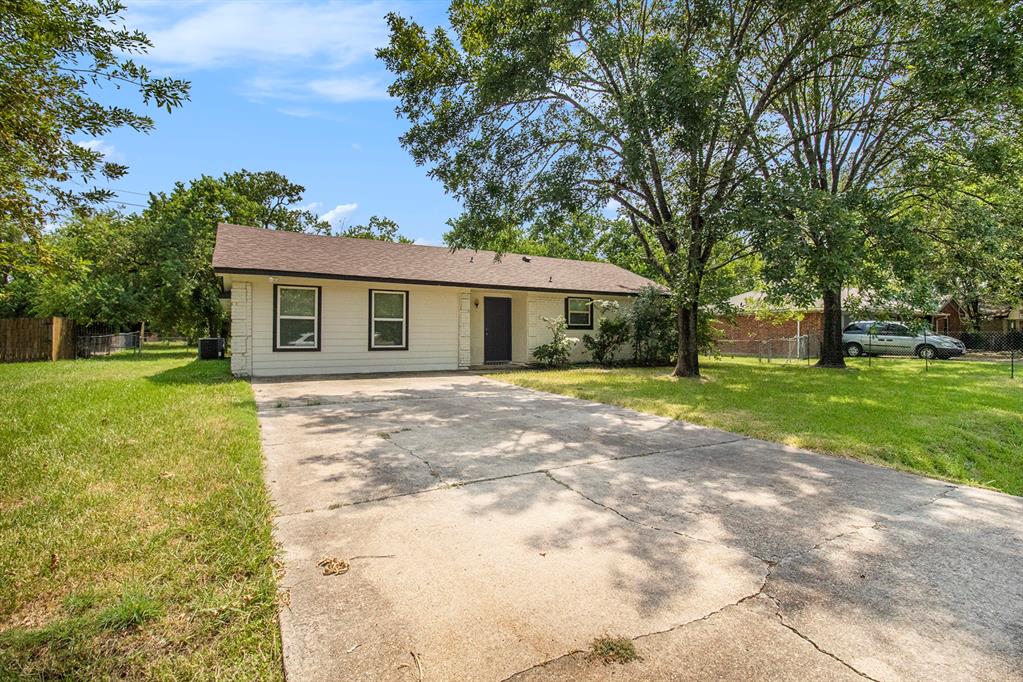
(551, 305)
(344, 343)
(445, 328)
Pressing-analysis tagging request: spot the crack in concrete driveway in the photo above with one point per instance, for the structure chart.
(513, 542)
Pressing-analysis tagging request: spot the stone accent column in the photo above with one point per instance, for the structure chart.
(532, 324)
(464, 339)
(241, 329)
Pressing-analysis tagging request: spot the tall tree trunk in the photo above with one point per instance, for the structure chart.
(973, 310)
(688, 364)
(832, 352)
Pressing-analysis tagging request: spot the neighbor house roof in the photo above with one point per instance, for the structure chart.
(253, 250)
(757, 300)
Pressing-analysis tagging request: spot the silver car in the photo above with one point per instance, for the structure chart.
(875, 337)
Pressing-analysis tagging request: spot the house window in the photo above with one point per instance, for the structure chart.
(579, 313)
(296, 317)
(388, 320)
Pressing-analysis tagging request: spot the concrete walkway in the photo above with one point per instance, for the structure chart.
(493, 532)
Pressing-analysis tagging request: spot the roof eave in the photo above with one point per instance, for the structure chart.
(394, 280)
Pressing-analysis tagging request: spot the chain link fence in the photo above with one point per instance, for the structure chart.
(91, 345)
(784, 349)
(925, 347)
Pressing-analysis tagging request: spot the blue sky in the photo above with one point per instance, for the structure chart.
(287, 86)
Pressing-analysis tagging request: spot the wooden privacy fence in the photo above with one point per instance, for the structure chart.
(26, 339)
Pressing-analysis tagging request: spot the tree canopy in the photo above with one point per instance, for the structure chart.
(675, 111)
(529, 112)
(381, 229)
(55, 58)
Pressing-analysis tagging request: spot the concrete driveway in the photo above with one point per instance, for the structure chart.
(493, 532)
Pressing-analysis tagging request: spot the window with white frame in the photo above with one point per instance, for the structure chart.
(296, 317)
(388, 320)
(579, 313)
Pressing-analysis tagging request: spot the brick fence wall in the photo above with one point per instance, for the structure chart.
(749, 327)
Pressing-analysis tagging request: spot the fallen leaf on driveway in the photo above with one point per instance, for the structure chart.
(333, 566)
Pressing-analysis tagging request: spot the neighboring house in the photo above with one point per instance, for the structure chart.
(755, 319)
(1003, 319)
(308, 304)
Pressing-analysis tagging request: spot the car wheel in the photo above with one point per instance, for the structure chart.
(853, 350)
(927, 352)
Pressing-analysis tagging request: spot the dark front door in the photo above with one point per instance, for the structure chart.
(496, 329)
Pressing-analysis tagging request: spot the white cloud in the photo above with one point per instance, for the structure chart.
(298, 112)
(109, 151)
(225, 34)
(349, 89)
(423, 241)
(336, 214)
(356, 88)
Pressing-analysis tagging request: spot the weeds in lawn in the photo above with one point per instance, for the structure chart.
(609, 650)
(139, 467)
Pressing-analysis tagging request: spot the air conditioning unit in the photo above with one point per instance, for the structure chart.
(211, 348)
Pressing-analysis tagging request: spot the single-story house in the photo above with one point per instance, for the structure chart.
(310, 304)
(758, 320)
(1002, 319)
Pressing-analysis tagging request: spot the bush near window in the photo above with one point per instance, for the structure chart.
(654, 324)
(612, 332)
(555, 353)
(654, 328)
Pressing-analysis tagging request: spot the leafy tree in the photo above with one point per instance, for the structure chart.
(533, 111)
(910, 79)
(55, 57)
(969, 218)
(95, 271)
(179, 233)
(277, 198)
(382, 229)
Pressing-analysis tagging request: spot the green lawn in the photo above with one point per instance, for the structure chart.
(960, 420)
(134, 525)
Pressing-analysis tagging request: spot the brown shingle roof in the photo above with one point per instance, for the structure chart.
(254, 250)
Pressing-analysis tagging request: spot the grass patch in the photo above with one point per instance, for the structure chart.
(609, 650)
(134, 525)
(962, 421)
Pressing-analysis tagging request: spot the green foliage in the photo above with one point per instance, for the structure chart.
(179, 232)
(92, 274)
(609, 650)
(612, 332)
(654, 328)
(528, 113)
(555, 353)
(969, 218)
(272, 200)
(382, 229)
(56, 56)
(907, 80)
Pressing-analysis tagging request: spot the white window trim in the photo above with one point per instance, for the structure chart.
(315, 317)
(589, 313)
(373, 319)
